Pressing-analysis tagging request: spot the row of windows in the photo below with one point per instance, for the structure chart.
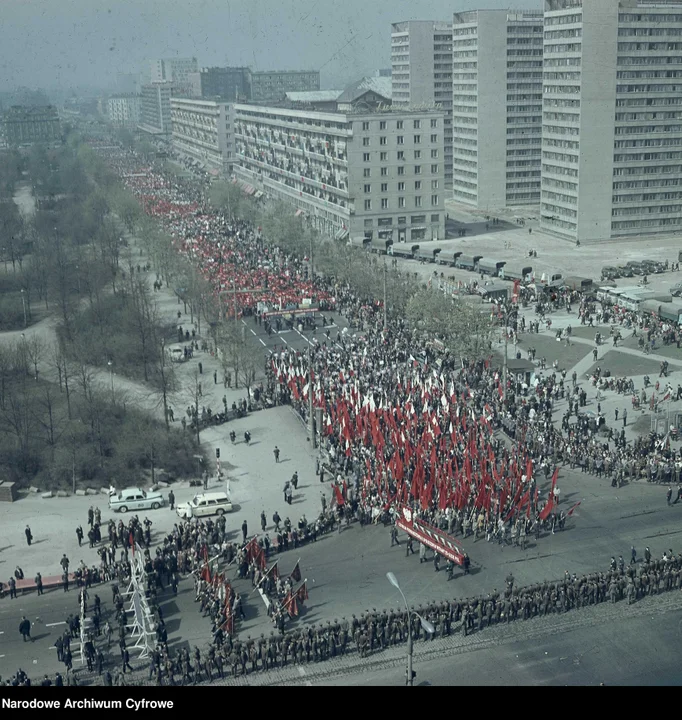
(401, 170)
(642, 74)
(647, 197)
(647, 170)
(563, 47)
(570, 76)
(402, 202)
(559, 197)
(649, 17)
(652, 46)
(625, 117)
(401, 186)
(556, 102)
(559, 157)
(565, 144)
(561, 62)
(648, 102)
(559, 34)
(648, 156)
(563, 19)
(400, 155)
(555, 209)
(561, 89)
(638, 60)
(400, 124)
(636, 224)
(660, 142)
(400, 139)
(560, 184)
(652, 210)
(659, 182)
(560, 130)
(559, 170)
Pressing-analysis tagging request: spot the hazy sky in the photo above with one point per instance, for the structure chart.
(48, 43)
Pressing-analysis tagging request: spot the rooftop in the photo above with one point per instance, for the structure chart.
(380, 85)
(312, 96)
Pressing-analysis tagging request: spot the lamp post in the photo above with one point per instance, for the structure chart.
(111, 377)
(428, 627)
(23, 303)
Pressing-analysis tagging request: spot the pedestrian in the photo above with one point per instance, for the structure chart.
(201, 369)
(91, 516)
(633, 555)
(29, 535)
(669, 495)
(125, 660)
(25, 629)
(215, 377)
(79, 535)
(244, 531)
(409, 549)
(394, 536)
(12, 588)
(275, 452)
(171, 499)
(263, 521)
(625, 417)
(39, 583)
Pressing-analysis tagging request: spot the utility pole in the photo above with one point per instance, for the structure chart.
(385, 294)
(311, 408)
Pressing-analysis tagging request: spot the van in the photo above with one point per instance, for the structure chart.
(213, 503)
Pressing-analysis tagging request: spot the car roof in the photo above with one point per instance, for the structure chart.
(212, 496)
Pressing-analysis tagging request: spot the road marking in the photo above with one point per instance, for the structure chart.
(63, 622)
(253, 332)
(262, 342)
(2, 656)
(302, 673)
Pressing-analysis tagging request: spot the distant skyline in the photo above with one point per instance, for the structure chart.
(65, 43)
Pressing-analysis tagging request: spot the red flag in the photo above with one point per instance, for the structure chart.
(549, 506)
(572, 510)
(338, 495)
(302, 592)
(206, 573)
(274, 570)
(296, 572)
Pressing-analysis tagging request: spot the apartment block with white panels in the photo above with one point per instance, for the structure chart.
(612, 118)
(203, 131)
(496, 108)
(421, 72)
(367, 175)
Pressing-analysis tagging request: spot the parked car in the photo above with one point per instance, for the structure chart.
(636, 267)
(135, 499)
(213, 503)
(625, 271)
(676, 289)
(653, 266)
(609, 273)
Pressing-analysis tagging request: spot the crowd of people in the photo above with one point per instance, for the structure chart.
(404, 423)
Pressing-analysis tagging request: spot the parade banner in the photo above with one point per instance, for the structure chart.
(430, 536)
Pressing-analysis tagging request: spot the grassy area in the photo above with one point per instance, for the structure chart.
(48, 437)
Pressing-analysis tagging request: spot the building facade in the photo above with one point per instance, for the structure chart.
(155, 109)
(203, 131)
(497, 107)
(25, 125)
(175, 70)
(123, 110)
(272, 86)
(612, 119)
(228, 83)
(421, 72)
(371, 175)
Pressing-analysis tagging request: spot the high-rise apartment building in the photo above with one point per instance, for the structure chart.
(421, 72)
(155, 109)
(497, 107)
(612, 118)
(175, 70)
(123, 110)
(25, 125)
(231, 84)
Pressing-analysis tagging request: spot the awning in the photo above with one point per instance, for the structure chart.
(299, 212)
(251, 190)
(341, 234)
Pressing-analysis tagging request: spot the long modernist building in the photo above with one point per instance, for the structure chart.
(368, 173)
(612, 118)
(203, 132)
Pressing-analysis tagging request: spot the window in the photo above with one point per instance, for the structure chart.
(434, 184)
(417, 154)
(385, 221)
(415, 219)
(417, 201)
(401, 186)
(382, 140)
(365, 141)
(434, 123)
(365, 126)
(434, 199)
(401, 155)
(417, 169)
(366, 172)
(365, 157)
(401, 203)
(368, 223)
(434, 169)
(368, 188)
(417, 139)
(399, 125)
(434, 138)
(382, 125)
(401, 139)
(417, 124)
(368, 204)
(384, 203)
(383, 156)
(417, 184)
(434, 154)
(384, 187)
(384, 172)
(402, 220)
(435, 218)
(401, 169)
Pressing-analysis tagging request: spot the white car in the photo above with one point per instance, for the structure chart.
(213, 503)
(135, 499)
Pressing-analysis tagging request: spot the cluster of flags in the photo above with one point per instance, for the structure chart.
(293, 598)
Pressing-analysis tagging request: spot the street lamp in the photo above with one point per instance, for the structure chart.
(23, 303)
(428, 627)
(111, 376)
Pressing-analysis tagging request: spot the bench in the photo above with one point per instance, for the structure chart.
(29, 585)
